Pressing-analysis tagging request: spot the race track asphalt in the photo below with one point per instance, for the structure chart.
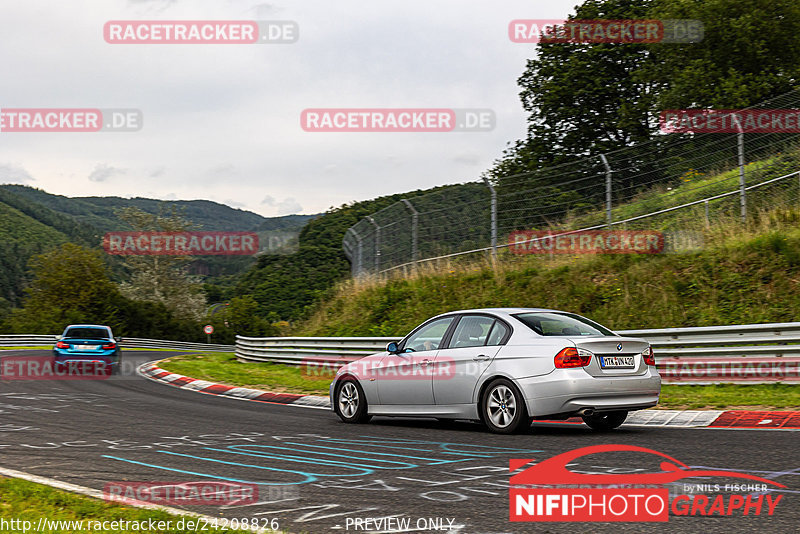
(316, 474)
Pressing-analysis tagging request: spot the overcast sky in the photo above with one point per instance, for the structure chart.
(222, 122)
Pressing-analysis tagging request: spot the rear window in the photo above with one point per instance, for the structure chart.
(562, 324)
(87, 333)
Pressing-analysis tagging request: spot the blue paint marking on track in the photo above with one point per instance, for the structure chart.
(309, 460)
(237, 464)
(206, 475)
(332, 447)
(428, 459)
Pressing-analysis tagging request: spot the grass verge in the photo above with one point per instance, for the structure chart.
(225, 369)
(732, 397)
(21, 500)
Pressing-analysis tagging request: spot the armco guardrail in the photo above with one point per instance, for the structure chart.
(695, 355)
(35, 340)
(298, 350)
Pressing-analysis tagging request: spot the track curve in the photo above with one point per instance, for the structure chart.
(319, 475)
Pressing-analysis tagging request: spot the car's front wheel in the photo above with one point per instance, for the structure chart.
(503, 408)
(351, 404)
(605, 421)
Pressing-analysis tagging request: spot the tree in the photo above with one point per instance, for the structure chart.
(70, 285)
(162, 278)
(583, 99)
(750, 53)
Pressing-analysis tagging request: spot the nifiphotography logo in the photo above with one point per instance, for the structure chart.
(550, 492)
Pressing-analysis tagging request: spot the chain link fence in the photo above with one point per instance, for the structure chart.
(675, 183)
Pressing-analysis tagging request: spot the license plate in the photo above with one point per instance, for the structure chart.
(616, 362)
(85, 347)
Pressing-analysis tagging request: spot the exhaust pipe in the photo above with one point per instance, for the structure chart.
(586, 412)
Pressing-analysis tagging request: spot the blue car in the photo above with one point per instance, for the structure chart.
(87, 348)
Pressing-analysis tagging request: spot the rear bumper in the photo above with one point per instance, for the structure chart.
(110, 357)
(566, 391)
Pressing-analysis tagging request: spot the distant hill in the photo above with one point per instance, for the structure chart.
(207, 215)
(33, 221)
(289, 286)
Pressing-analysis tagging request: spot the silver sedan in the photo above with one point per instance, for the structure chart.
(503, 367)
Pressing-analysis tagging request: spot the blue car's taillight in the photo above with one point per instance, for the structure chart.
(62, 345)
(109, 346)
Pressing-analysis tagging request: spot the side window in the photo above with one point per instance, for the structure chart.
(472, 331)
(498, 333)
(429, 337)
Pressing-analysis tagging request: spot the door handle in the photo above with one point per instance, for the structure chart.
(425, 362)
(481, 358)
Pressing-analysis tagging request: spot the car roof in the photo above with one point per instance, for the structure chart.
(506, 311)
(88, 326)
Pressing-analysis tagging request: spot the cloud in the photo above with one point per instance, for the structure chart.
(152, 6)
(467, 159)
(233, 203)
(225, 170)
(158, 171)
(12, 174)
(103, 172)
(287, 206)
(264, 10)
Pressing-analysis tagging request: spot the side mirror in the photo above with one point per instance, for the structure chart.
(59, 338)
(392, 348)
(119, 340)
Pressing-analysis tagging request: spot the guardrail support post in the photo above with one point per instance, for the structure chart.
(493, 193)
(414, 230)
(608, 189)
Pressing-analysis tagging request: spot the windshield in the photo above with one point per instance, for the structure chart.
(562, 324)
(87, 333)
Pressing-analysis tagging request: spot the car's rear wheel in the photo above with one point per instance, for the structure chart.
(503, 408)
(351, 404)
(605, 421)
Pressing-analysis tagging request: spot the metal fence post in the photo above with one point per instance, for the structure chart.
(358, 266)
(377, 243)
(494, 216)
(414, 227)
(608, 189)
(742, 185)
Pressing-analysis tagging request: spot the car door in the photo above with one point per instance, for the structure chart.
(475, 341)
(405, 378)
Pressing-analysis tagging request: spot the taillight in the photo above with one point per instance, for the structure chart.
(62, 345)
(109, 346)
(648, 356)
(572, 357)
